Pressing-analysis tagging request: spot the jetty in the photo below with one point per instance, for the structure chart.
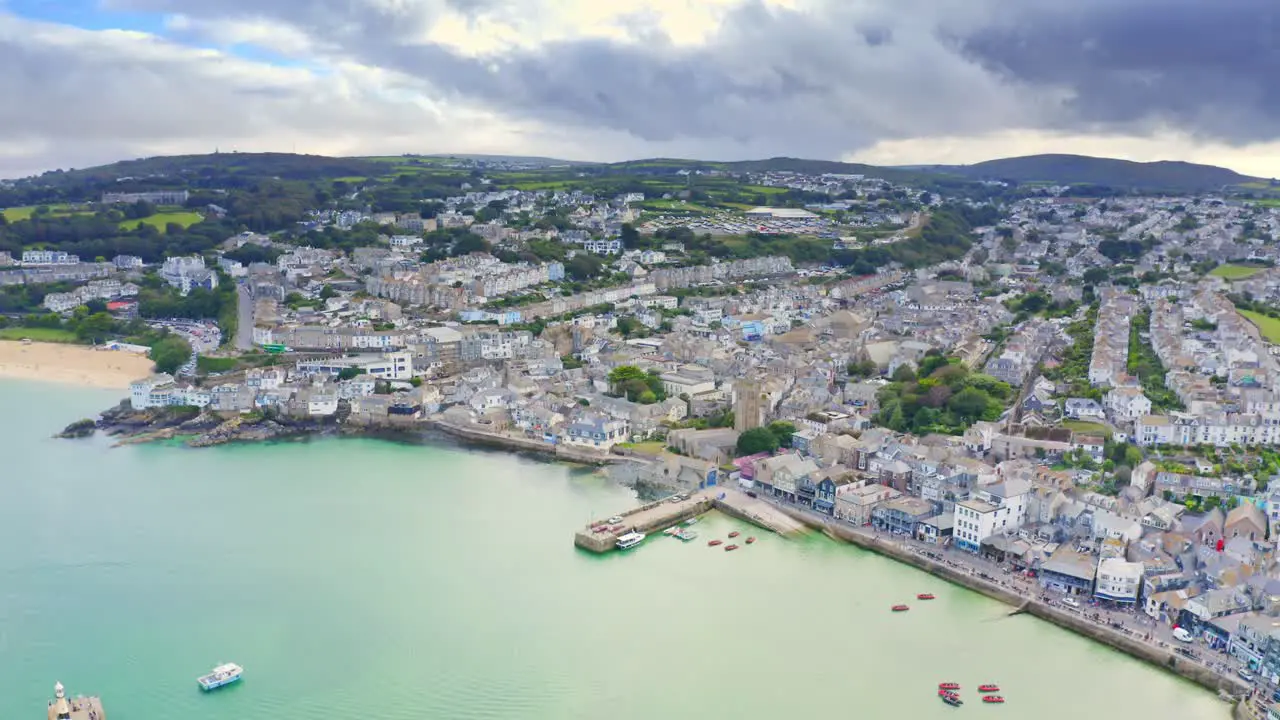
(601, 536)
(62, 707)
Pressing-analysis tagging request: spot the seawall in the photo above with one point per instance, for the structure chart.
(1165, 659)
(567, 453)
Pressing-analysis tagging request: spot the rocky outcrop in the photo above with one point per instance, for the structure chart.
(79, 429)
(255, 428)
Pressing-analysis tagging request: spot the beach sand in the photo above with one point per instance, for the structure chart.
(71, 364)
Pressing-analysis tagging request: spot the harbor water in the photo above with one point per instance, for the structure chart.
(356, 579)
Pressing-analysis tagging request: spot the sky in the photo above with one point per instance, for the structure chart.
(87, 82)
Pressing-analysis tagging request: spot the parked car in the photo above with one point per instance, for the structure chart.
(1245, 675)
(752, 493)
(1182, 635)
(1071, 601)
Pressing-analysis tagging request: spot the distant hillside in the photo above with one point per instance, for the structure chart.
(1079, 169)
(283, 165)
(778, 164)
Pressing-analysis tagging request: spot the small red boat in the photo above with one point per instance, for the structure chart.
(989, 688)
(727, 548)
(948, 686)
(900, 608)
(925, 596)
(733, 534)
(994, 699)
(751, 540)
(714, 543)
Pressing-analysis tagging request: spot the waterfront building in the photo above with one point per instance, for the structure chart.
(1069, 570)
(597, 430)
(1118, 580)
(902, 515)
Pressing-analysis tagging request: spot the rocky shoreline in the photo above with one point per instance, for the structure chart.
(205, 428)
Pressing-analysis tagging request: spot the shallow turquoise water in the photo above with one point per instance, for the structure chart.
(359, 579)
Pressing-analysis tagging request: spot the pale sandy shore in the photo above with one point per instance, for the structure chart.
(71, 364)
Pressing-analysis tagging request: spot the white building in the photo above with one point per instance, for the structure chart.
(995, 509)
(404, 242)
(48, 257)
(141, 391)
(603, 247)
(1118, 580)
(1127, 404)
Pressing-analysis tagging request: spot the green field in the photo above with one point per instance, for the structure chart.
(1235, 272)
(57, 335)
(15, 214)
(1268, 326)
(160, 220)
(1085, 426)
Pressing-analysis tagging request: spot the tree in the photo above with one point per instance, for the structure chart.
(969, 403)
(623, 374)
(1095, 276)
(630, 236)
(782, 430)
(583, 267)
(904, 373)
(757, 440)
(348, 373)
(96, 327)
(170, 353)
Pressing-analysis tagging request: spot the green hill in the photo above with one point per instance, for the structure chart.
(1082, 170)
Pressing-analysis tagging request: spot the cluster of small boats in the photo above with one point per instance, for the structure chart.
(949, 693)
(731, 546)
(903, 607)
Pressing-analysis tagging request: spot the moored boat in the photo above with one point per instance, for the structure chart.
(687, 535)
(924, 596)
(993, 699)
(224, 674)
(900, 608)
(691, 521)
(733, 534)
(989, 688)
(630, 540)
(751, 540)
(727, 548)
(673, 530)
(952, 699)
(948, 686)
(714, 543)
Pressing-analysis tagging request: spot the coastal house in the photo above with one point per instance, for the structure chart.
(826, 483)
(902, 515)
(142, 392)
(781, 475)
(1118, 580)
(855, 502)
(597, 430)
(1070, 571)
(679, 472)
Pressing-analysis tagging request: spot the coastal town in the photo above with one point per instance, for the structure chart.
(1077, 398)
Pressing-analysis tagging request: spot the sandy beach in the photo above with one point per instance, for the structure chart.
(72, 364)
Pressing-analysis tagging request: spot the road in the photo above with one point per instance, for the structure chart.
(244, 323)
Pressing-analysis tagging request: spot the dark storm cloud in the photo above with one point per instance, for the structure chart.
(832, 76)
(1211, 67)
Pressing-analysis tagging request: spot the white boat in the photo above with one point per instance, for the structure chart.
(687, 535)
(673, 530)
(224, 674)
(630, 540)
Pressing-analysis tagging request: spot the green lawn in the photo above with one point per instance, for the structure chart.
(1085, 426)
(160, 220)
(764, 189)
(206, 365)
(1268, 326)
(645, 448)
(14, 214)
(56, 335)
(1235, 272)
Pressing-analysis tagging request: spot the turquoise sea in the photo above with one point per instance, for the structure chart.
(359, 579)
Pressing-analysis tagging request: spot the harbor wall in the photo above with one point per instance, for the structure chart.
(1165, 659)
(560, 452)
(605, 542)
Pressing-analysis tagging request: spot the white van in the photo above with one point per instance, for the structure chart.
(1183, 635)
(1071, 601)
